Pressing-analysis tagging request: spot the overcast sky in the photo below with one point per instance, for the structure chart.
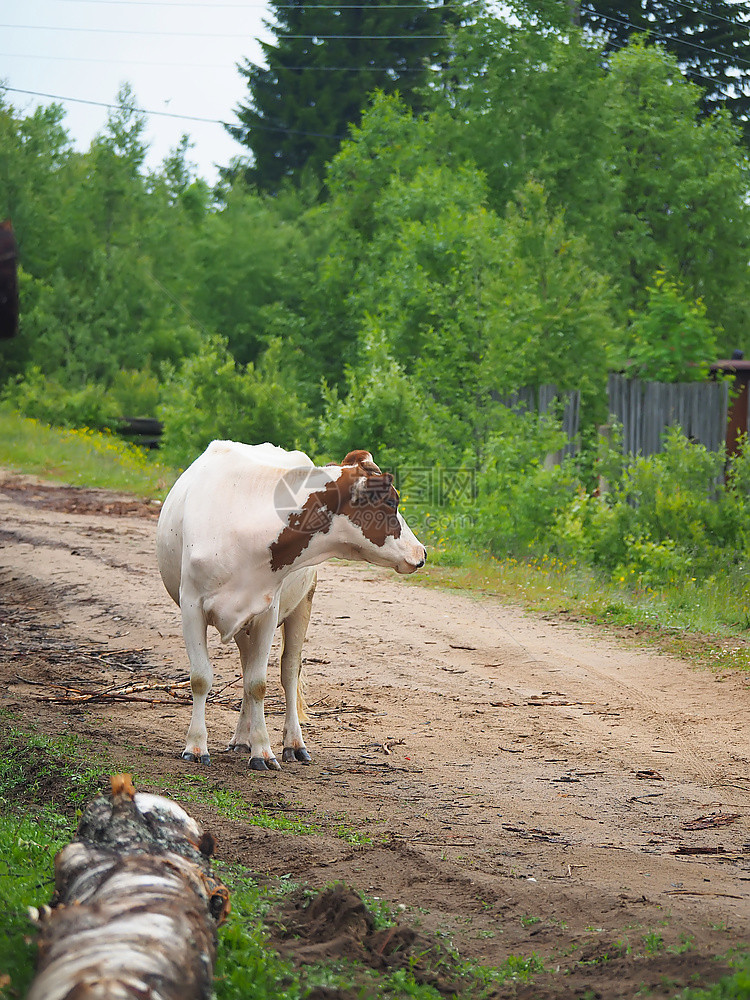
(180, 58)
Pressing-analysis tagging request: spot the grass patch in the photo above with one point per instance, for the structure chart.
(28, 844)
(80, 457)
(44, 783)
(248, 965)
(43, 786)
(54, 773)
(197, 789)
(733, 987)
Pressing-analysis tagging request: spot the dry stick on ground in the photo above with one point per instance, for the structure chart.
(135, 908)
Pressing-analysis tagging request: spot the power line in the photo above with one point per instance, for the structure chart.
(619, 46)
(263, 6)
(170, 114)
(128, 62)
(709, 15)
(205, 34)
(109, 105)
(364, 38)
(659, 34)
(706, 14)
(120, 31)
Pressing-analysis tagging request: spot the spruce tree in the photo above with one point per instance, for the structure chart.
(709, 38)
(326, 60)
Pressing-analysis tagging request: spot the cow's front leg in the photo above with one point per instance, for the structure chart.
(254, 644)
(201, 678)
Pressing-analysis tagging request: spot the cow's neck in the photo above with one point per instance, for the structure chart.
(310, 534)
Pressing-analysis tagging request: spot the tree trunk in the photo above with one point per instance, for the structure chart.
(135, 908)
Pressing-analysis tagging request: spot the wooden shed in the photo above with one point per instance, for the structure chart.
(737, 414)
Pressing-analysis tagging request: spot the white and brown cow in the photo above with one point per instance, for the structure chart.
(238, 538)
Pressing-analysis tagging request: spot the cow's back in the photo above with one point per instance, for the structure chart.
(221, 510)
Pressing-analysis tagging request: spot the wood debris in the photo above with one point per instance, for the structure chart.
(711, 820)
(135, 904)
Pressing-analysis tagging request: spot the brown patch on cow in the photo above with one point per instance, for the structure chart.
(374, 507)
(369, 501)
(257, 691)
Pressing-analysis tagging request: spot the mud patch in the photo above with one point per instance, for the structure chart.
(76, 501)
(336, 924)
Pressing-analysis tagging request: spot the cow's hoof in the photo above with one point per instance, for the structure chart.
(196, 758)
(297, 755)
(264, 764)
(238, 748)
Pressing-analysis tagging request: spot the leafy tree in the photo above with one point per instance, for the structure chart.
(641, 176)
(421, 282)
(412, 244)
(34, 153)
(240, 253)
(710, 40)
(671, 339)
(114, 171)
(529, 102)
(552, 316)
(179, 180)
(326, 60)
(319, 274)
(118, 318)
(382, 410)
(680, 186)
(210, 396)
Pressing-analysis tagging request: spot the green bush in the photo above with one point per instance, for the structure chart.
(137, 393)
(382, 412)
(672, 340)
(667, 517)
(517, 497)
(211, 396)
(36, 395)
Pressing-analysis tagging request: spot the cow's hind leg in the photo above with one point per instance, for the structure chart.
(254, 644)
(201, 678)
(294, 629)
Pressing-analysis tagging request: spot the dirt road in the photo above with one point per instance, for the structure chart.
(518, 784)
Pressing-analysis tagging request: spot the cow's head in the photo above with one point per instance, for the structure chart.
(356, 510)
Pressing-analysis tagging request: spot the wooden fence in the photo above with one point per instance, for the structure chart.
(647, 409)
(644, 409)
(541, 400)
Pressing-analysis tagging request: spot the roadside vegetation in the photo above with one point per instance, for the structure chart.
(79, 456)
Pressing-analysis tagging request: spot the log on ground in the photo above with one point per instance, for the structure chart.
(135, 908)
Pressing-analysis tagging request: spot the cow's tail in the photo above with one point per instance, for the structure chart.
(301, 703)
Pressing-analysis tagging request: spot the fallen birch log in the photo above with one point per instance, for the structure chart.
(135, 908)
